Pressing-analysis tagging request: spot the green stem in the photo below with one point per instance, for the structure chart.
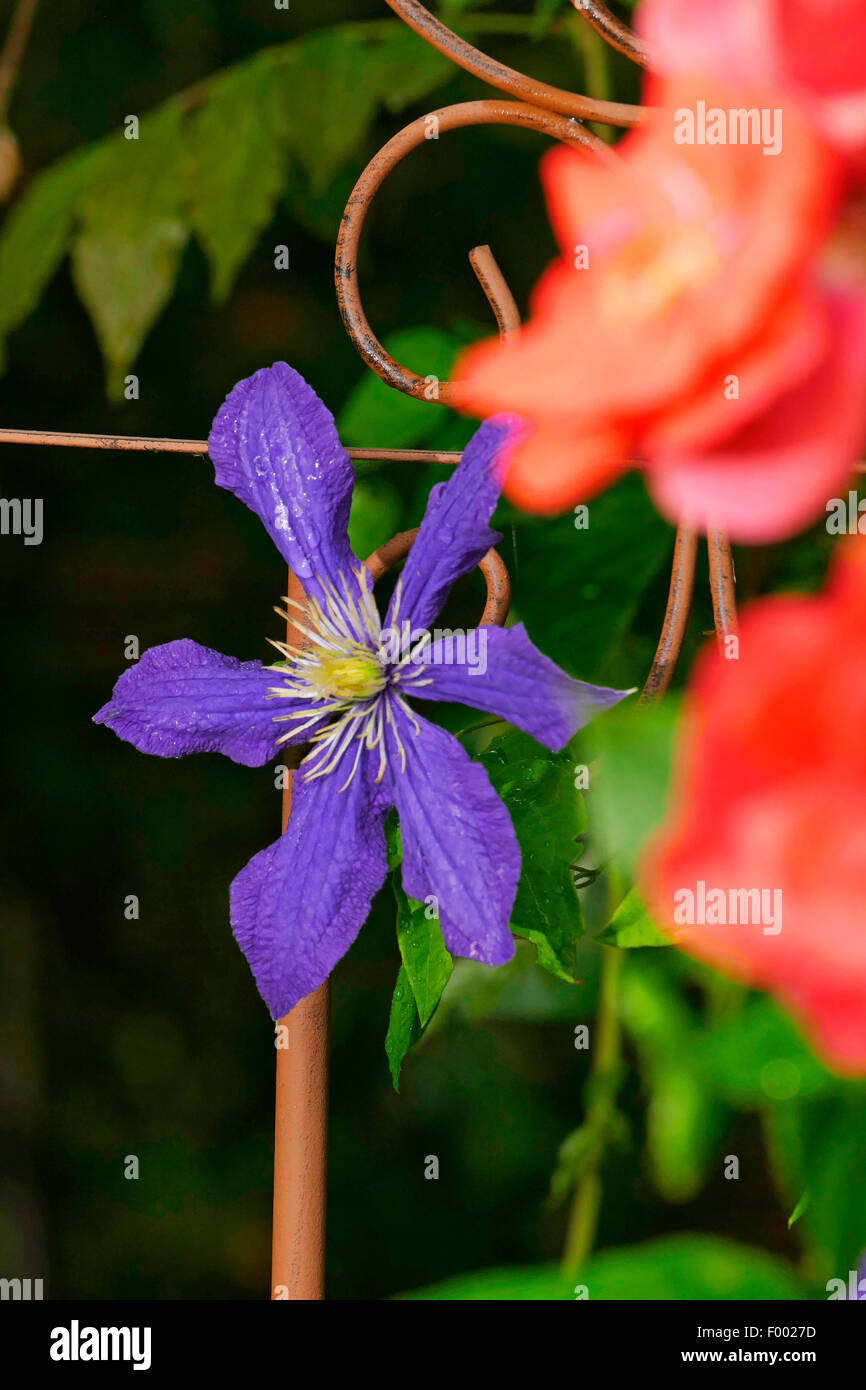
(478, 724)
(596, 70)
(586, 1202)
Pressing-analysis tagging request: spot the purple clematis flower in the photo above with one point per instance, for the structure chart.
(299, 904)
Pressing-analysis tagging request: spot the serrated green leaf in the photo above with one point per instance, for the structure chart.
(37, 233)
(631, 925)
(404, 1026)
(313, 99)
(426, 960)
(126, 256)
(237, 169)
(546, 811)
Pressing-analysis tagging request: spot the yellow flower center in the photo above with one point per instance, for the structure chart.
(649, 275)
(342, 677)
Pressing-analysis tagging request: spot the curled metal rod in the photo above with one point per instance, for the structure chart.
(507, 79)
(467, 113)
(676, 616)
(496, 290)
(491, 566)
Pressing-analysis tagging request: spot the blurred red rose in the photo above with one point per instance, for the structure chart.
(816, 49)
(685, 325)
(760, 868)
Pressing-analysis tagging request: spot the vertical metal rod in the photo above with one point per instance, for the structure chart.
(676, 616)
(301, 1123)
(722, 585)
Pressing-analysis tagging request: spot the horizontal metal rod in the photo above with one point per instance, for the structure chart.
(59, 439)
(144, 444)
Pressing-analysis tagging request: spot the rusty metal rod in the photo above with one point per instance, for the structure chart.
(616, 34)
(722, 585)
(301, 1096)
(417, 133)
(507, 79)
(13, 50)
(301, 1148)
(59, 439)
(492, 566)
(496, 290)
(300, 1117)
(676, 616)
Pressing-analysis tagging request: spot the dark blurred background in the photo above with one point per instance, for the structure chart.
(146, 1037)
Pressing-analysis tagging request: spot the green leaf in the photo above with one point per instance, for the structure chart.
(393, 840)
(375, 411)
(404, 1026)
(546, 811)
(376, 514)
(37, 233)
(238, 167)
(819, 1145)
(524, 1283)
(677, 1268)
(516, 990)
(685, 1118)
(631, 925)
(605, 571)
(335, 79)
(221, 171)
(802, 1205)
(633, 747)
(684, 1125)
(758, 1057)
(689, 1267)
(402, 67)
(653, 1005)
(127, 254)
(425, 958)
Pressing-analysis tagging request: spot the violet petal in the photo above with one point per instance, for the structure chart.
(184, 698)
(298, 905)
(458, 841)
(275, 446)
(454, 534)
(508, 676)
